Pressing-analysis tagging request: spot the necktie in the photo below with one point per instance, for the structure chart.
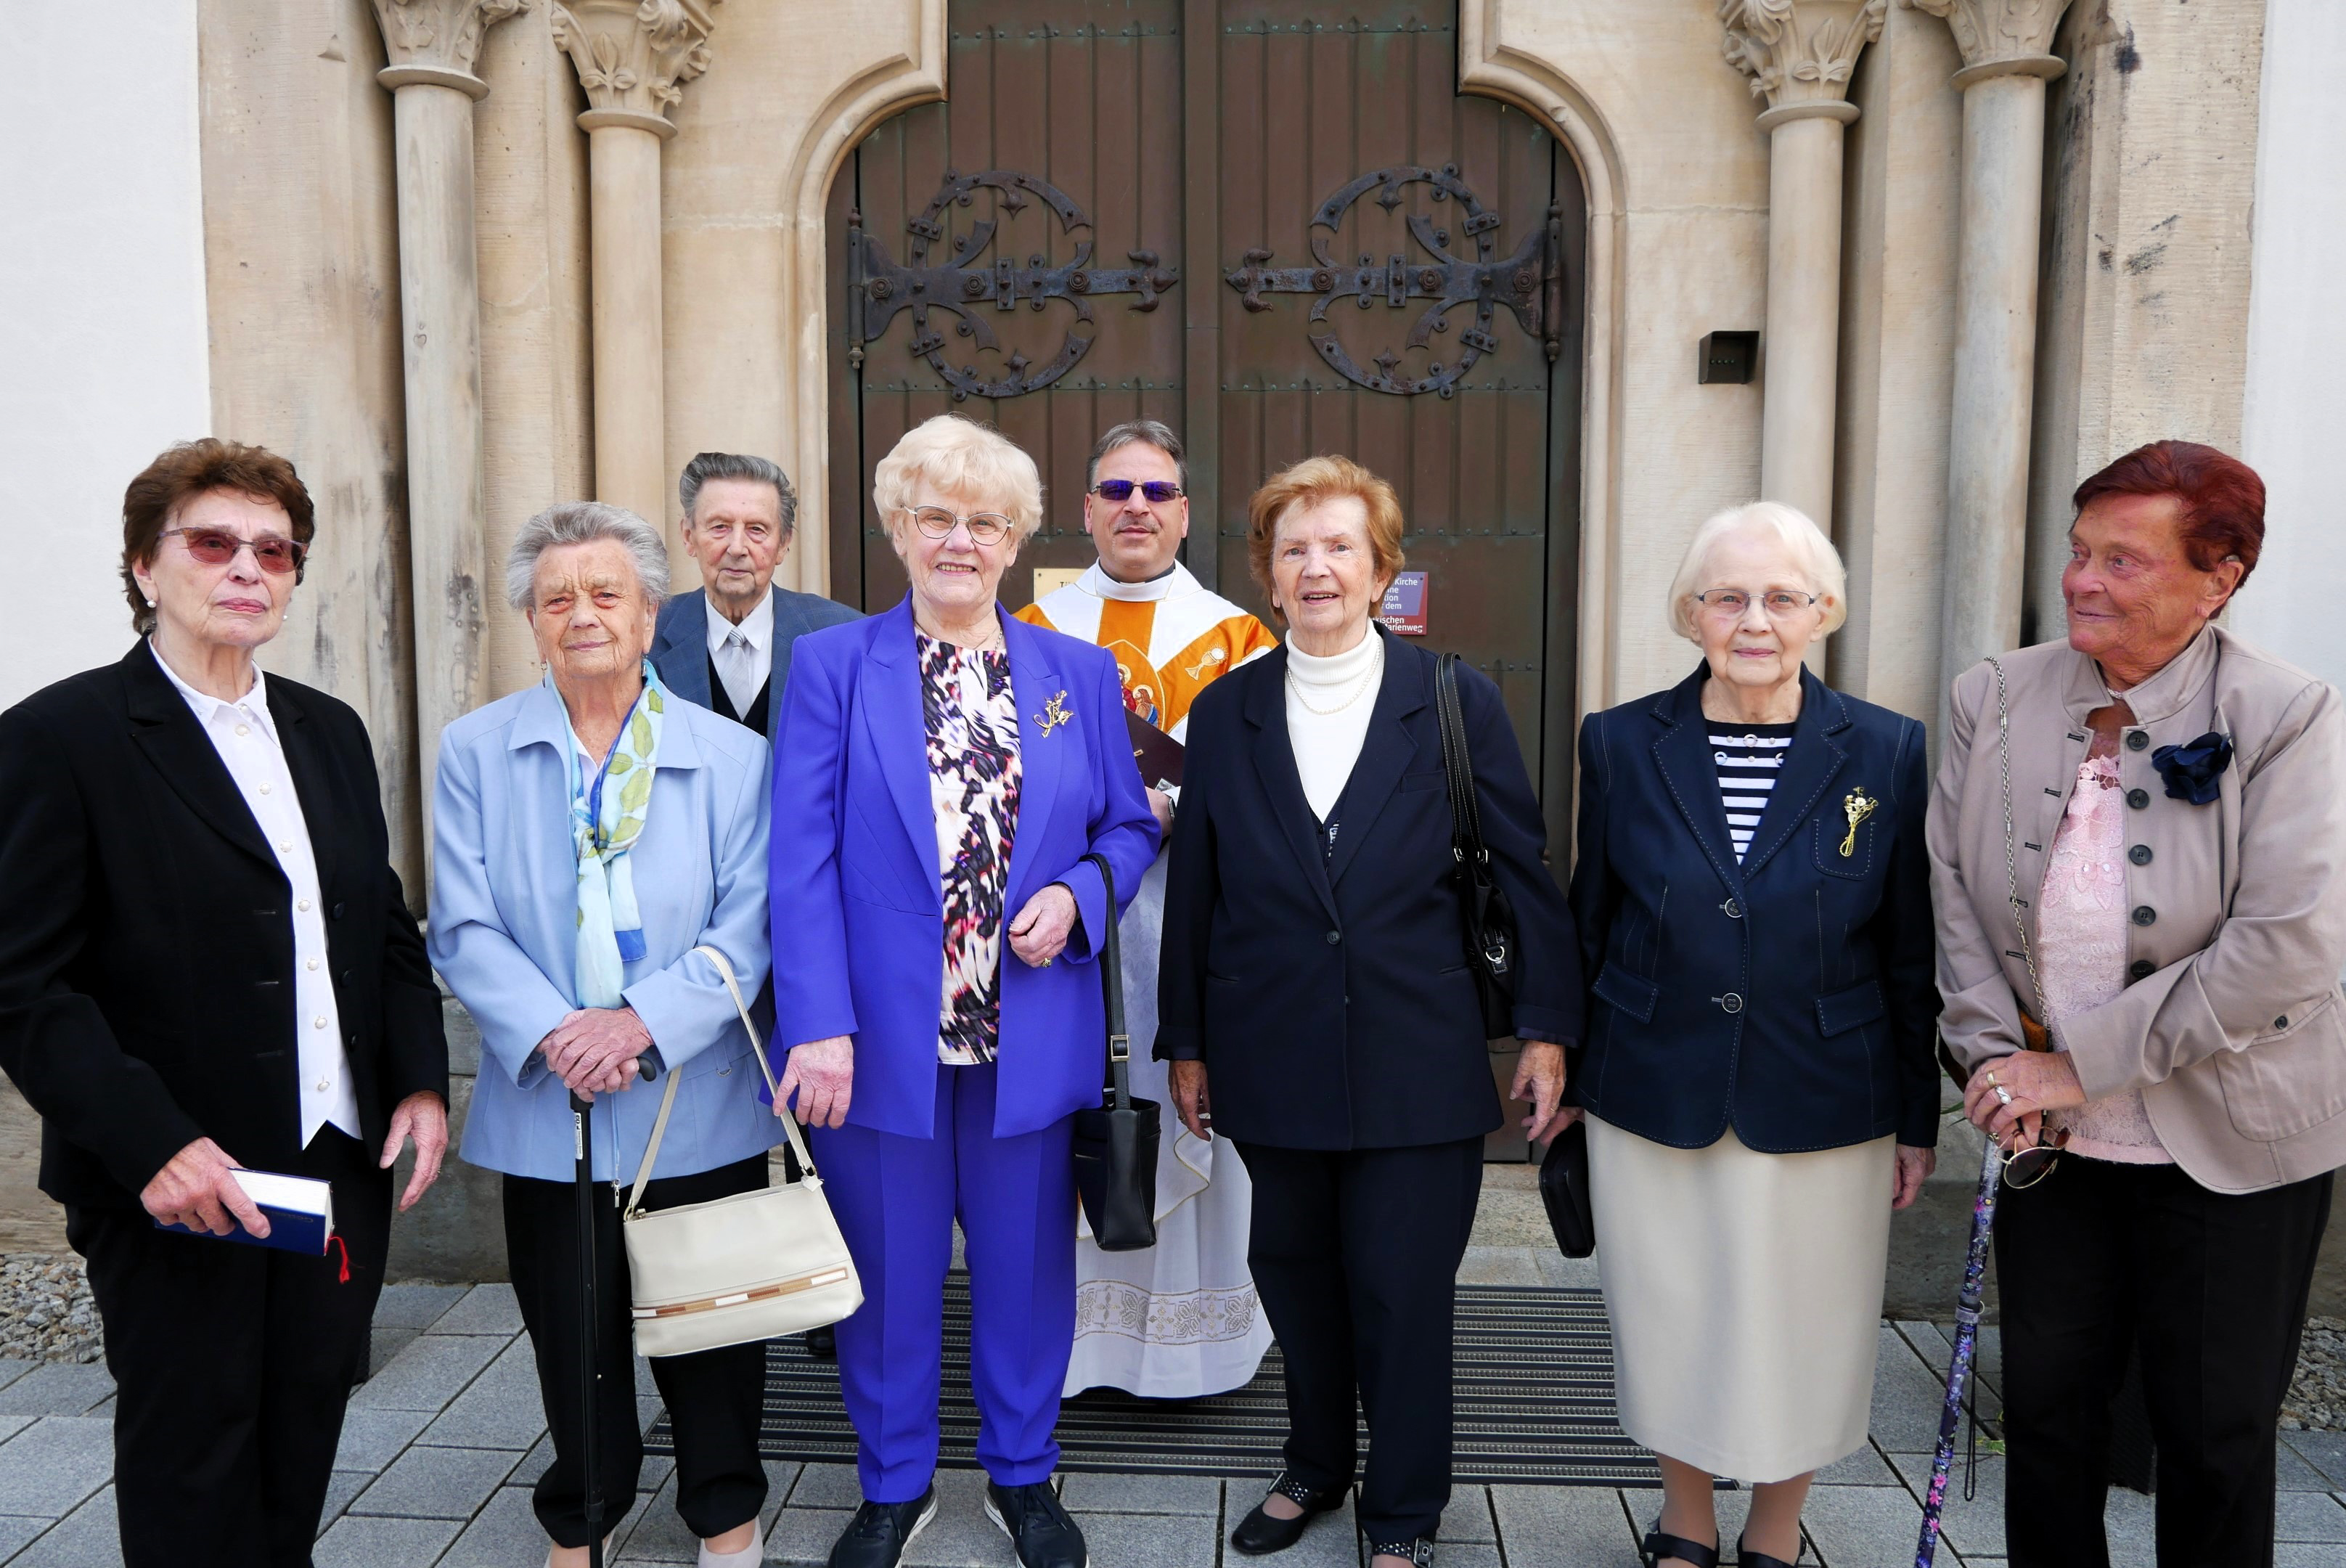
(737, 667)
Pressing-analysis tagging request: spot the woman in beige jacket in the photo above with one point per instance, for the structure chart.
(2165, 815)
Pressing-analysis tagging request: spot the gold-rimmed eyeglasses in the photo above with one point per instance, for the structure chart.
(985, 527)
(1781, 604)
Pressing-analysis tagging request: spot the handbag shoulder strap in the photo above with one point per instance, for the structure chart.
(1118, 1084)
(667, 1096)
(1457, 767)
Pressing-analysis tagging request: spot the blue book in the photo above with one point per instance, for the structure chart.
(299, 1210)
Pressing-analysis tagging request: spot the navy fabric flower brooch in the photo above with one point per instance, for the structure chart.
(2192, 768)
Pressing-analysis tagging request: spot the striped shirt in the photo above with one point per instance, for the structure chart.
(1747, 761)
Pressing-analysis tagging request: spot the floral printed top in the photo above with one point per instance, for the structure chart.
(2081, 933)
(970, 719)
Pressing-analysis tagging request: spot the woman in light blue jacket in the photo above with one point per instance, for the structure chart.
(587, 835)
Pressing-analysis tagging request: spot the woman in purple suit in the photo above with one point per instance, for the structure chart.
(940, 773)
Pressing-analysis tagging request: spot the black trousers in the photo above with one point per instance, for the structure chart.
(2099, 1256)
(233, 1365)
(1355, 1255)
(714, 1397)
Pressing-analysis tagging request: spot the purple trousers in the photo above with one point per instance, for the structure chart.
(897, 1199)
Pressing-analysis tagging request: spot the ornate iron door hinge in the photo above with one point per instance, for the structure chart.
(1530, 282)
(877, 288)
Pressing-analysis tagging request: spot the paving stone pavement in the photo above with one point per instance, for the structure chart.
(443, 1442)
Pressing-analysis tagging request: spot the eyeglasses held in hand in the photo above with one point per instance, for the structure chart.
(1781, 604)
(2027, 1168)
(1158, 491)
(985, 527)
(217, 546)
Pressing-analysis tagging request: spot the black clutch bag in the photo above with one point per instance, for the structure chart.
(1564, 1189)
(1486, 917)
(1116, 1140)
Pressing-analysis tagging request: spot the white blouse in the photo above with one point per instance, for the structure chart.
(1329, 701)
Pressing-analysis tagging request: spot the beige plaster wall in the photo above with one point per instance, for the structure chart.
(302, 273)
(1899, 214)
(2150, 188)
(536, 393)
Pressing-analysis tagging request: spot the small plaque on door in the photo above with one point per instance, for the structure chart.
(1404, 611)
(1049, 580)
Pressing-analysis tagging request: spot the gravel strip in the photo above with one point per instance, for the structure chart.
(2317, 1395)
(46, 1311)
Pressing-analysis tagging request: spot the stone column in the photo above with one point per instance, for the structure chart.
(431, 45)
(633, 58)
(2006, 64)
(1799, 54)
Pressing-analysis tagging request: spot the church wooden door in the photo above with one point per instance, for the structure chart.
(1275, 226)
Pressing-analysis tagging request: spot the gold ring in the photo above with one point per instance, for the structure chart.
(1991, 1077)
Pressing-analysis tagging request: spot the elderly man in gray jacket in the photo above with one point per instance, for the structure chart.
(727, 646)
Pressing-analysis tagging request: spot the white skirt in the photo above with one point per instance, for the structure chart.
(1745, 1291)
(1180, 1319)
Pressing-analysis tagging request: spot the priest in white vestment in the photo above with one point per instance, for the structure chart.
(1178, 1320)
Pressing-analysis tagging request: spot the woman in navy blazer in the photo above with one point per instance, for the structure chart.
(941, 772)
(1753, 898)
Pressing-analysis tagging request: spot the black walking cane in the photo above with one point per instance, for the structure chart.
(580, 1113)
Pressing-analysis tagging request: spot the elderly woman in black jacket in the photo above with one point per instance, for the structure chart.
(1754, 904)
(1315, 1001)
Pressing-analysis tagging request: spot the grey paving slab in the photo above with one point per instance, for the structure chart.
(372, 1439)
(1197, 1494)
(1567, 1272)
(1584, 1526)
(90, 1537)
(1143, 1541)
(11, 1425)
(1468, 1518)
(1907, 1398)
(2305, 1516)
(501, 1407)
(427, 1374)
(344, 1485)
(48, 1469)
(1468, 1554)
(435, 1483)
(660, 1536)
(17, 1533)
(1331, 1541)
(827, 1486)
(386, 1341)
(1500, 1265)
(2325, 1452)
(1865, 1467)
(1972, 1528)
(803, 1537)
(104, 1408)
(10, 1368)
(362, 1542)
(503, 1534)
(962, 1537)
(647, 1386)
(2293, 1555)
(2130, 1520)
(2293, 1473)
(484, 1310)
(57, 1390)
(416, 1305)
(1935, 1344)
(1862, 1526)
(647, 1413)
(533, 1464)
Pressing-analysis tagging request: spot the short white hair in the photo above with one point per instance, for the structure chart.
(582, 523)
(1812, 554)
(960, 457)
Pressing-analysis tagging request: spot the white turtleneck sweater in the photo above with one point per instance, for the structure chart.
(1329, 701)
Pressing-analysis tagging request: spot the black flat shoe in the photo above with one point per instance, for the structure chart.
(1751, 1558)
(1659, 1544)
(1038, 1524)
(1260, 1533)
(1417, 1551)
(821, 1344)
(876, 1537)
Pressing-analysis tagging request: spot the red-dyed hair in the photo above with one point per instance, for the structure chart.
(2222, 499)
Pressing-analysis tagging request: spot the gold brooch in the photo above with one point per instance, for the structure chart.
(1054, 714)
(1857, 806)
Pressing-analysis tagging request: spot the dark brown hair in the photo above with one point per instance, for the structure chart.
(195, 468)
(1310, 482)
(2221, 498)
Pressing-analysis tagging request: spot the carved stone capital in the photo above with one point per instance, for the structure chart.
(1799, 52)
(634, 57)
(2012, 33)
(438, 40)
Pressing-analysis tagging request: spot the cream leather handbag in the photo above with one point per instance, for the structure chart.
(755, 1266)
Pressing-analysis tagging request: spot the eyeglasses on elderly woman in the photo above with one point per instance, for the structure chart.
(1780, 603)
(217, 547)
(985, 527)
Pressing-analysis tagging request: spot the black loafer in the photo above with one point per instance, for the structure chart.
(1751, 1558)
(876, 1537)
(1658, 1544)
(1260, 1533)
(821, 1344)
(1038, 1524)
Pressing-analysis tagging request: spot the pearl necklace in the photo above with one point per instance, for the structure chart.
(1360, 686)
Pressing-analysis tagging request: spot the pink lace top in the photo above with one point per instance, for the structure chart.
(2081, 950)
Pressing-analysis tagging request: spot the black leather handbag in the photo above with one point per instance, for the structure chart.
(1564, 1189)
(1487, 918)
(1116, 1140)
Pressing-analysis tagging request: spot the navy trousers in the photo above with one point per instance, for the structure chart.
(897, 1199)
